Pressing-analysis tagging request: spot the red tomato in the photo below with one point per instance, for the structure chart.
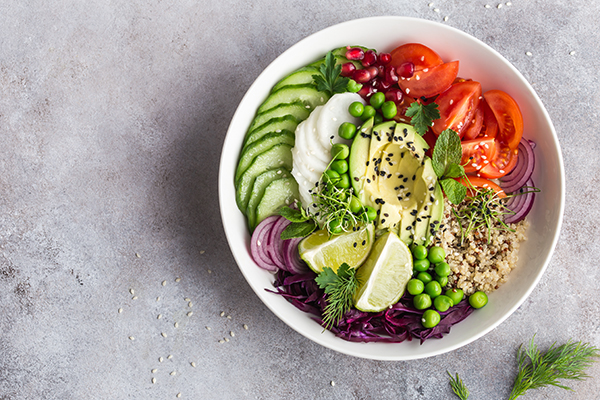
(477, 153)
(504, 161)
(473, 127)
(420, 55)
(490, 125)
(430, 138)
(431, 75)
(457, 106)
(509, 118)
(478, 182)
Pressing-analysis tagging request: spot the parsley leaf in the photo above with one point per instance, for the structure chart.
(340, 288)
(329, 79)
(422, 116)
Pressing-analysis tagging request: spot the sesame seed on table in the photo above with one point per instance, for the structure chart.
(113, 116)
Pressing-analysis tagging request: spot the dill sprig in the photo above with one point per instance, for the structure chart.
(340, 288)
(537, 370)
(458, 387)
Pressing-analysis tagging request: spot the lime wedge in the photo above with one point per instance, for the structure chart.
(384, 274)
(319, 250)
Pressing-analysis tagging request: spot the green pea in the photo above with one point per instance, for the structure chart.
(478, 299)
(389, 110)
(339, 166)
(353, 86)
(442, 269)
(335, 226)
(421, 265)
(415, 287)
(332, 176)
(425, 277)
(377, 119)
(371, 213)
(347, 130)
(356, 109)
(456, 295)
(340, 151)
(343, 182)
(433, 289)
(355, 205)
(430, 318)
(436, 255)
(442, 303)
(419, 252)
(443, 280)
(422, 301)
(377, 100)
(368, 113)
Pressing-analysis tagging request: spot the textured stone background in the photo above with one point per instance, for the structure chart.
(112, 117)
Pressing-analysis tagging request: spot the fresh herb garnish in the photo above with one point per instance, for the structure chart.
(458, 387)
(329, 79)
(340, 288)
(422, 115)
(301, 225)
(447, 155)
(537, 370)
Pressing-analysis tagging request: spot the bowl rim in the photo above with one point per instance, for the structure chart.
(225, 183)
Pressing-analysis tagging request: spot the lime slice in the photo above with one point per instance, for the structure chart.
(319, 250)
(384, 274)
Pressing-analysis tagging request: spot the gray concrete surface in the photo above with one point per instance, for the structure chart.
(112, 117)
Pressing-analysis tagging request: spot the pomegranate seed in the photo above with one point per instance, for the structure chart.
(361, 76)
(355, 54)
(385, 58)
(369, 58)
(381, 69)
(381, 85)
(374, 71)
(406, 70)
(366, 91)
(348, 69)
(394, 94)
(390, 74)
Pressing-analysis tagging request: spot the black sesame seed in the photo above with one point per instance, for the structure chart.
(383, 221)
(355, 244)
(386, 214)
(364, 242)
(414, 177)
(405, 180)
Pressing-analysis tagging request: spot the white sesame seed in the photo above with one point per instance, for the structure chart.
(245, 327)
(137, 255)
(446, 18)
(187, 299)
(528, 53)
(164, 283)
(436, 10)
(407, 90)
(209, 271)
(178, 395)
(134, 298)
(159, 316)
(572, 53)
(131, 291)
(222, 313)
(120, 310)
(176, 325)
(164, 334)
(160, 359)
(500, 5)
(169, 356)
(451, 101)
(202, 251)
(158, 298)
(177, 279)
(208, 328)
(487, 6)
(193, 364)
(153, 380)
(508, 3)
(173, 373)
(154, 370)
(229, 317)
(131, 338)
(430, 4)
(232, 334)
(227, 339)
(332, 383)
(190, 313)
(501, 171)
(190, 304)
(221, 341)
(426, 69)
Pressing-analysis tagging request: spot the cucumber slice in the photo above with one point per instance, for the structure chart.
(307, 94)
(258, 189)
(299, 77)
(280, 193)
(278, 156)
(260, 146)
(298, 110)
(285, 123)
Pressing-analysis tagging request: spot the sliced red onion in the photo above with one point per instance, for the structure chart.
(274, 246)
(259, 243)
(292, 257)
(521, 207)
(522, 171)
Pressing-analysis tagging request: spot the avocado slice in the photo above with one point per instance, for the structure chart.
(424, 188)
(437, 213)
(359, 157)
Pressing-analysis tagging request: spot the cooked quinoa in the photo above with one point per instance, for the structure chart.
(476, 264)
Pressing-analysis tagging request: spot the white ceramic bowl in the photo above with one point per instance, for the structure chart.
(477, 61)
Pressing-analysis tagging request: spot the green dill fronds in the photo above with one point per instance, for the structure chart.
(340, 288)
(458, 387)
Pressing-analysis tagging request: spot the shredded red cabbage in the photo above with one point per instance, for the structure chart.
(399, 323)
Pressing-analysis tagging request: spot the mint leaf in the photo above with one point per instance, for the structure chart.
(422, 116)
(292, 215)
(298, 229)
(455, 191)
(454, 171)
(447, 151)
(329, 79)
(327, 278)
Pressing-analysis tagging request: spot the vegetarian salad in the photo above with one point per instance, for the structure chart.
(387, 194)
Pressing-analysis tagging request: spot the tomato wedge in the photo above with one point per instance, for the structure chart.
(478, 182)
(457, 105)
(504, 162)
(474, 124)
(420, 55)
(489, 127)
(477, 153)
(509, 118)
